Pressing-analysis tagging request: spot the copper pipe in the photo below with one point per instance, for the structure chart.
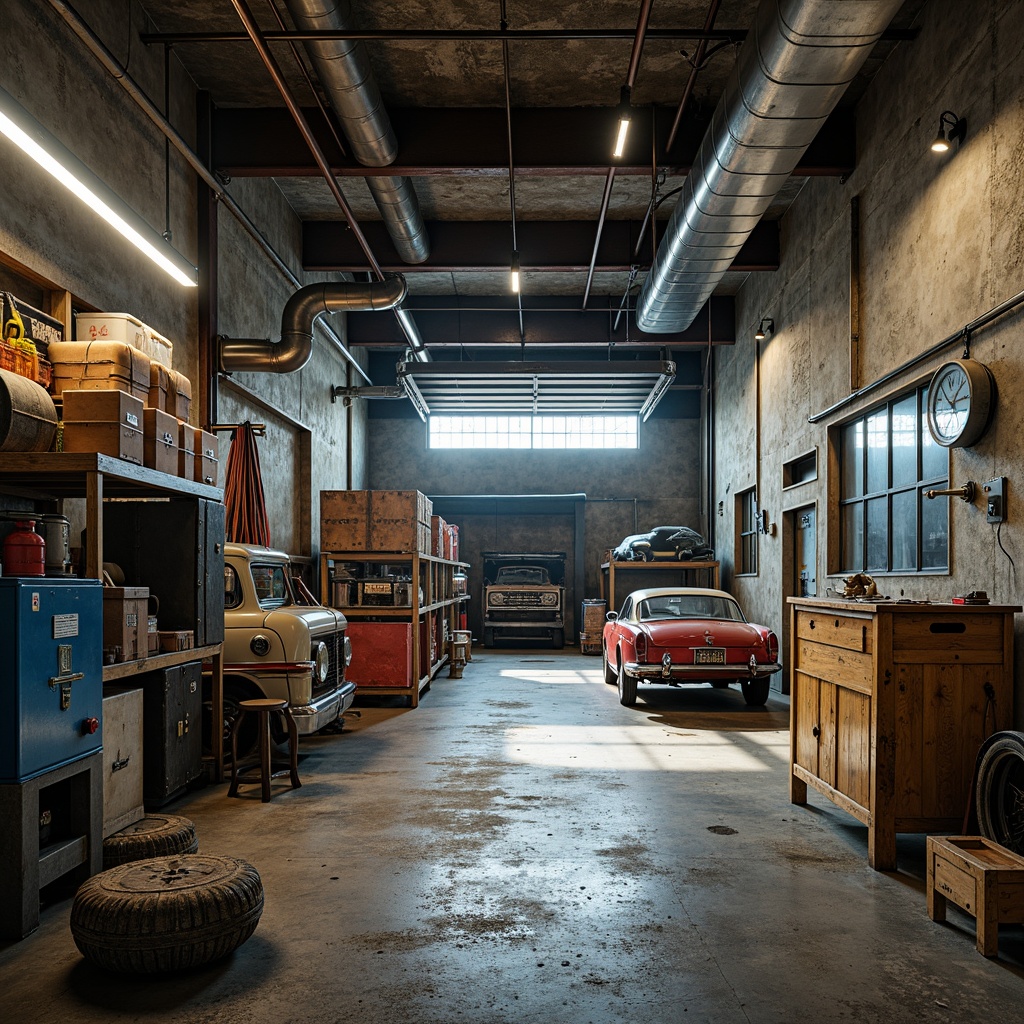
(242, 9)
(702, 46)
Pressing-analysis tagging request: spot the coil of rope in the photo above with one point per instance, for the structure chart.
(245, 504)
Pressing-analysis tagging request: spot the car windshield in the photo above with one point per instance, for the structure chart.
(272, 587)
(690, 606)
(531, 575)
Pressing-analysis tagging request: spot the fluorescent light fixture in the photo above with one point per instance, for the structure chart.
(515, 271)
(625, 115)
(33, 139)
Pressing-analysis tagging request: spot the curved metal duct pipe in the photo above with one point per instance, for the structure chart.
(300, 314)
(790, 73)
(344, 71)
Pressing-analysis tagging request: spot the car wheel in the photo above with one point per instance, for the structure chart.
(627, 687)
(248, 737)
(755, 691)
(610, 676)
(998, 790)
(558, 639)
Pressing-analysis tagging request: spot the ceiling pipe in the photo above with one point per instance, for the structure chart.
(303, 309)
(343, 68)
(796, 64)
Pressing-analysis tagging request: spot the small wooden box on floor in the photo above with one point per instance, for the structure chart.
(889, 705)
(122, 759)
(109, 422)
(375, 521)
(979, 876)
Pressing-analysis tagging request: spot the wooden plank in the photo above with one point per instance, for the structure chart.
(882, 730)
(939, 656)
(941, 790)
(909, 742)
(827, 739)
(847, 631)
(853, 746)
(842, 667)
(843, 802)
(804, 711)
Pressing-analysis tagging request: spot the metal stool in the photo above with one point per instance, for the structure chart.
(247, 771)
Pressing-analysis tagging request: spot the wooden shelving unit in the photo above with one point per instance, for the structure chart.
(635, 575)
(56, 476)
(432, 613)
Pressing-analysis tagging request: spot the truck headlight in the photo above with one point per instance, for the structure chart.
(321, 662)
(348, 652)
(496, 599)
(549, 599)
(259, 645)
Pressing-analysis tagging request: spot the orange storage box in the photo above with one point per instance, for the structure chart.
(100, 366)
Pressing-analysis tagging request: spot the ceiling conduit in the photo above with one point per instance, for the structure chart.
(794, 66)
(292, 352)
(344, 71)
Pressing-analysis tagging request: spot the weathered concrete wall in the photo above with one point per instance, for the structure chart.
(48, 231)
(627, 491)
(941, 243)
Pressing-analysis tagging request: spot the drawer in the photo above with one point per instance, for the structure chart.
(972, 638)
(850, 632)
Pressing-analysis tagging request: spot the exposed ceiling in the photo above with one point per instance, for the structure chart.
(441, 71)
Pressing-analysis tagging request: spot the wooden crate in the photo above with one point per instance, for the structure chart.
(160, 441)
(374, 521)
(109, 422)
(979, 876)
(122, 759)
(125, 622)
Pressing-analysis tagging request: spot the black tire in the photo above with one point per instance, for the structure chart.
(248, 738)
(610, 675)
(627, 687)
(156, 835)
(167, 913)
(755, 691)
(999, 792)
(558, 639)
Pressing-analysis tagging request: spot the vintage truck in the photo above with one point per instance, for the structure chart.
(277, 646)
(524, 597)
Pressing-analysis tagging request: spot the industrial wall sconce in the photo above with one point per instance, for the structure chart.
(625, 116)
(765, 329)
(56, 159)
(515, 271)
(950, 127)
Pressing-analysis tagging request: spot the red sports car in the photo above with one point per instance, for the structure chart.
(679, 635)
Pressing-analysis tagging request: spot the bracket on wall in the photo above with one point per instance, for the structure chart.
(367, 391)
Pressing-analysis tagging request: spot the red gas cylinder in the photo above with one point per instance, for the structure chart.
(24, 551)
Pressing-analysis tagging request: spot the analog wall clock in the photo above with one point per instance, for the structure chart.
(960, 402)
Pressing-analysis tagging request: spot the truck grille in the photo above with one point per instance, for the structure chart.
(336, 670)
(520, 615)
(526, 600)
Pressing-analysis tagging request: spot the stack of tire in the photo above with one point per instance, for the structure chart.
(159, 905)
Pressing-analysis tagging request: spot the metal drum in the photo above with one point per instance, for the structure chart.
(56, 530)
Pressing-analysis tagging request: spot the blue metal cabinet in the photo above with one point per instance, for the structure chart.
(51, 673)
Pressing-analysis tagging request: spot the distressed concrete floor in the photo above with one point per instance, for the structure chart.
(521, 848)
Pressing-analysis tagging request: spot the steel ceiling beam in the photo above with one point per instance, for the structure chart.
(483, 246)
(473, 141)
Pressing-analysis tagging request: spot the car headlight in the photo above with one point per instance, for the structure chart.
(495, 599)
(549, 599)
(259, 645)
(321, 662)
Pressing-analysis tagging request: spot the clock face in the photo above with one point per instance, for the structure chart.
(959, 401)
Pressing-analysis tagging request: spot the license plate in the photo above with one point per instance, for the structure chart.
(709, 656)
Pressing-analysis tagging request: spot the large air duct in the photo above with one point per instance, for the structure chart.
(301, 312)
(344, 71)
(791, 71)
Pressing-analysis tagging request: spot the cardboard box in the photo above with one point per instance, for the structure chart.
(99, 366)
(160, 441)
(122, 759)
(125, 622)
(176, 639)
(109, 422)
(375, 521)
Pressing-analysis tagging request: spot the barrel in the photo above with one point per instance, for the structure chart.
(28, 419)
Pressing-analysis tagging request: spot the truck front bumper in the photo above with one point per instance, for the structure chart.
(312, 717)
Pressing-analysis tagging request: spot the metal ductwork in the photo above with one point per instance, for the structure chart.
(300, 314)
(344, 71)
(794, 66)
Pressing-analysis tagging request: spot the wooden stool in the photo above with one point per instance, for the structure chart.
(246, 772)
(979, 876)
(458, 652)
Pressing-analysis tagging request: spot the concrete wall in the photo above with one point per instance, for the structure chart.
(627, 491)
(311, 444)
(941, 243)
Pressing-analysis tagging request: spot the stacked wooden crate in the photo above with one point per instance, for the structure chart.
(375, 521)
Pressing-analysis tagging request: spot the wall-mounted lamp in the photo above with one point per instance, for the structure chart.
(515, 271)
(625, 115)
(18, 125)
(765, 329)
(950, 127)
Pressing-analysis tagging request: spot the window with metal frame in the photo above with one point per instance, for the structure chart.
(747, 507)
(535, 432)
(887, 460)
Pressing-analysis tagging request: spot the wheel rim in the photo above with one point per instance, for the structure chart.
(1005, 801)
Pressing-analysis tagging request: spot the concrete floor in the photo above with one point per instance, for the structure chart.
(522, 848)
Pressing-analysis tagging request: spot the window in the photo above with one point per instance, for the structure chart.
(887, 461)
(272, 589)
(533, 432)
(747, 502)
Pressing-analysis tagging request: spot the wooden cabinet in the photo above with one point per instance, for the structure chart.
(410, 623)
(620, 578)
(889, 705)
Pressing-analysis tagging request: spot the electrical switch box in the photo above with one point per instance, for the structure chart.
(995, 500)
